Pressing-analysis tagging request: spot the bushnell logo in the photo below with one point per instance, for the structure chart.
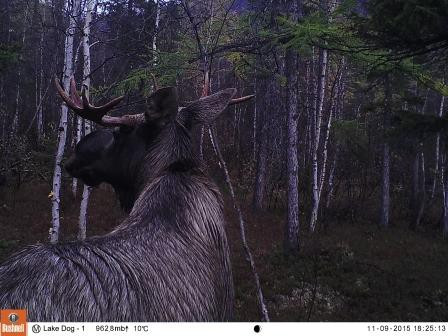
(13, 322)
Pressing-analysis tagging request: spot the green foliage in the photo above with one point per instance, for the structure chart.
(342, 35)
(241, 65)
(313, 30)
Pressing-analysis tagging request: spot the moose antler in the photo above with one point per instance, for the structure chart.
(206, 89)
(82, 107)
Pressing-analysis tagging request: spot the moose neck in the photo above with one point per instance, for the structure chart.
(170, 152)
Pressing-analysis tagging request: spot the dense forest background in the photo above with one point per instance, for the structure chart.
(337, 167)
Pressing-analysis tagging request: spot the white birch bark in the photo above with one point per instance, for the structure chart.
(156, 32)
(317, 120)
(331, 179)
(333, 104)
(437, 155)
(86, 87)
(385, 180)
(292, 223)
(62, 135)
(76, 138)
(444, 184)
(385, 187)
(421, 207)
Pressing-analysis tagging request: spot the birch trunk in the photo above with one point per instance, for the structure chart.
(62, 129)
(254, 125)
(317, 120)
(444, 184)
(331, 179)
(87, 128)
(77, 137)
(385, 180)
(422, 192)
(333, 107)
(437, 155)
(419, 187)
(156, 31)
(292, 223)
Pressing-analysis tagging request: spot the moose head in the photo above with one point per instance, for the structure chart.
(131, 149)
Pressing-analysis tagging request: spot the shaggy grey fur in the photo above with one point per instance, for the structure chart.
(168, 261)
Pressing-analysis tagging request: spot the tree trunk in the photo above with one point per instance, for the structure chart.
(422, 192)
(39, 104)
(62, 129)
(333, 107)
(156, 32)
(254, 124)
(292, 244)
(262, 150)
(317, 120)
(15, 119)
(292, 224)
(419, 182)
(444, 183)
(87, 128)
(437, 156)
(385, 180)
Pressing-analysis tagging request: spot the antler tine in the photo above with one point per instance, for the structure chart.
(82, 107)
(74, 93)
(205, 89)
(241, 99)
(65, 96)
(98, 112)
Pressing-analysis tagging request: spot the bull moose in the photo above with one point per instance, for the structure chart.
(169, 259)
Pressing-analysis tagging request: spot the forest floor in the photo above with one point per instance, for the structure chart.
(348, 272)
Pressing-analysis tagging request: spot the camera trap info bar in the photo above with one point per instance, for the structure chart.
(14, 323)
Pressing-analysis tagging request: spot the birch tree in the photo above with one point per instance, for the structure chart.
(444, 185)
(87, 127)
(437, 151)
(316, 126)
(385, 180)
(62, 129)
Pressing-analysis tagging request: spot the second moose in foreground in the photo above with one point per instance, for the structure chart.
(169, 260)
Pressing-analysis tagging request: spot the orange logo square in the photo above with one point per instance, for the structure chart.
(12, 322)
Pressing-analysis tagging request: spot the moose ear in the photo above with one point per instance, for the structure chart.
(162, 104)
(205, 110)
